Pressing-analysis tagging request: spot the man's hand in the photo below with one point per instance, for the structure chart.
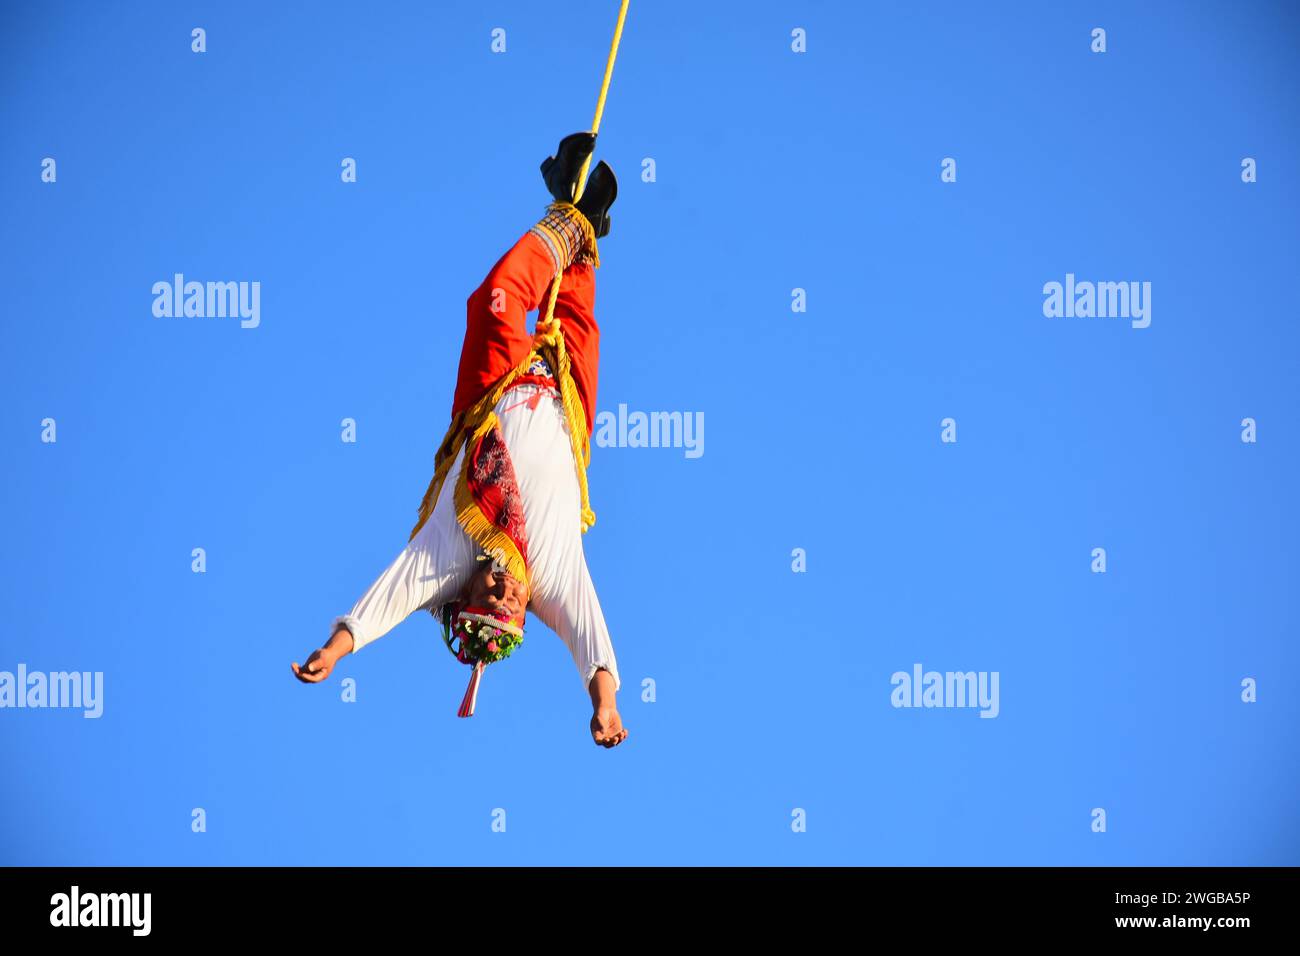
(606, 726)
(317, 668)
(321, 662)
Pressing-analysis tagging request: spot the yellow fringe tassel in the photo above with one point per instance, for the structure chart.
(494, 541)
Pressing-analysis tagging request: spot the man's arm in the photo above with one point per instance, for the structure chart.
(606, 726)
(568, 605)
(429, 571)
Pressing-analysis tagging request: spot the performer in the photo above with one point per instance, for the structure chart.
(507, 536)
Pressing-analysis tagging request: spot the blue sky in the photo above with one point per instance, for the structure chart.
(774, 171)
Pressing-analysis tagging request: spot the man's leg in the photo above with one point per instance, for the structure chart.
(575, 307)
(496, 327)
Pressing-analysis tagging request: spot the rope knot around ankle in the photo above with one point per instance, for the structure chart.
(568, 235)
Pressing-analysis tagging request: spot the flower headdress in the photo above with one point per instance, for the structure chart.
(486, 635)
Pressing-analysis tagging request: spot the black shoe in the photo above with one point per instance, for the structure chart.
(560, 172)
(598, 196)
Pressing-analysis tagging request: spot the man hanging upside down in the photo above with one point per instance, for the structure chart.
(506, 536)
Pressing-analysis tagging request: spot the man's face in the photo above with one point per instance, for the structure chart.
(493, 588)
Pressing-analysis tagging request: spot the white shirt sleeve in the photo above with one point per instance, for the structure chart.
(430, 571)
(568, 605)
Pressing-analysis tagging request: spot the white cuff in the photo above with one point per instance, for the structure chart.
(353, 627)
(591, 673)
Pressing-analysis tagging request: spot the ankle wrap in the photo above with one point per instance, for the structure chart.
(567, 235)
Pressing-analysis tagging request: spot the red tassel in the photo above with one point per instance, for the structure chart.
(471, 693)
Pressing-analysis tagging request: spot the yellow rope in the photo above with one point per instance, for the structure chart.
(604, 91)
(549, 331)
